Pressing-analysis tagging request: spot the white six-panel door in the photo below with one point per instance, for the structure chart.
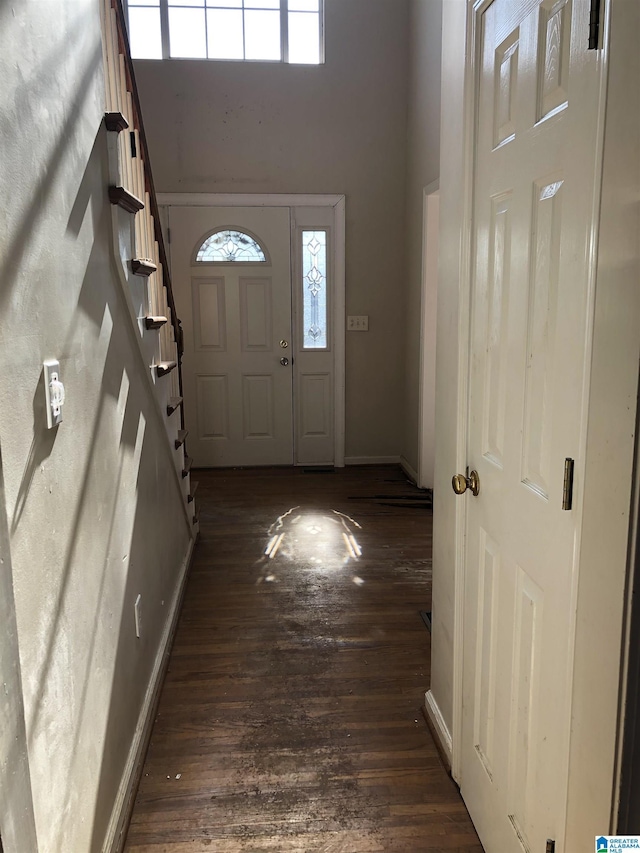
(534, 188)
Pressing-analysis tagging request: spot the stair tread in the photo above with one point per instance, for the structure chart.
(125, 199)
(182, 434)
(188, 462)
(155, 321)
(115, 121)
(173, 404)
(164, 367)
(143, 266)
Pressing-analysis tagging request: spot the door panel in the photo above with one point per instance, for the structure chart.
(315, 357)
(213, 415)
(238, 397)
(209, 315)
(534, 189)
(257, 407)
(256, 331)
(315, 405)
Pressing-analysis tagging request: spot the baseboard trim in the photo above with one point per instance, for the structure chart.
(371, 460)
(438, 728)
(408, 469)
(123, 807)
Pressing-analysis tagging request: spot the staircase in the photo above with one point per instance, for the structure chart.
(131, 190)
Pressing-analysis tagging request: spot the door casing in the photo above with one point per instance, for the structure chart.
(428, 302)
(608, 422)
(337, 203)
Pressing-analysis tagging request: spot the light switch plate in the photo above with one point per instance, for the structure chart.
(137, 609)
(358, 323)
(51, 372)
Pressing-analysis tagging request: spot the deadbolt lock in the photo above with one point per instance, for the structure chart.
(462, 482)
(284, 344)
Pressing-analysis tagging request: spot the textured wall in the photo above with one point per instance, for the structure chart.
(93, 508)
(336, 128)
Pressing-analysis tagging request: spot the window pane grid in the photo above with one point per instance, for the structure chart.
(245, 30)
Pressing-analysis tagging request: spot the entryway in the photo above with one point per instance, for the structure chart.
(259, 287)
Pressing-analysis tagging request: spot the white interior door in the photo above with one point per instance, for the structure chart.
(534, 187)
(235, 305)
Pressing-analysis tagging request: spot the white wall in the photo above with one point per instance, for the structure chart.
(423, 168)
(93, 508)
(336, 128)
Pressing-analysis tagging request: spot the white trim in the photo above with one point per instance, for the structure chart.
(249, 199)
(114, 839)
(408, 469)
(464, 321)
(338, 203)
(372, 460)
(428, 296)
(339, 330)
(437, 720)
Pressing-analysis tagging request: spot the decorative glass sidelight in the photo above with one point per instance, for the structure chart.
(314, 289)
(229, 246)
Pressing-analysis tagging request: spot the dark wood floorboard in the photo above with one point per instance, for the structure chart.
(290, 718)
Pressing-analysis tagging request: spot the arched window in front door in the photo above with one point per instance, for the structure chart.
(228, 245)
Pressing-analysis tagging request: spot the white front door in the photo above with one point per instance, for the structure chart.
(534, 185)
(259, 367)
(233, 295)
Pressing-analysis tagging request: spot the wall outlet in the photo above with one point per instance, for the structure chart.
(358, 323)
(137, 610)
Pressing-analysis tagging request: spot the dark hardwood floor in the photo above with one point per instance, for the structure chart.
(290, 718)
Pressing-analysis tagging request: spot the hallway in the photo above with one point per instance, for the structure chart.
(290, 720)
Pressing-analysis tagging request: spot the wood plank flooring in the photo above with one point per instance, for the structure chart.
(290, 718)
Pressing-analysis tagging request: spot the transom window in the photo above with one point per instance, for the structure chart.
(230, 246)
(250, 30)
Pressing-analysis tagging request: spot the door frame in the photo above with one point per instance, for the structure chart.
(428, 330)
(338, 303)
(608, 418)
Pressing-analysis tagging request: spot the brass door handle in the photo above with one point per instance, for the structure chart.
(462, 482)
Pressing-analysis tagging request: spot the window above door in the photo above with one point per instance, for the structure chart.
(242, 30)
(227, 245)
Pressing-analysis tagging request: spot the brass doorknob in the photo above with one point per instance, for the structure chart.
(462, 482)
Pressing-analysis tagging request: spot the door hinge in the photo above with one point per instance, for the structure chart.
(168, 235)
(551, 846)
(594, 25)
(567, 485)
